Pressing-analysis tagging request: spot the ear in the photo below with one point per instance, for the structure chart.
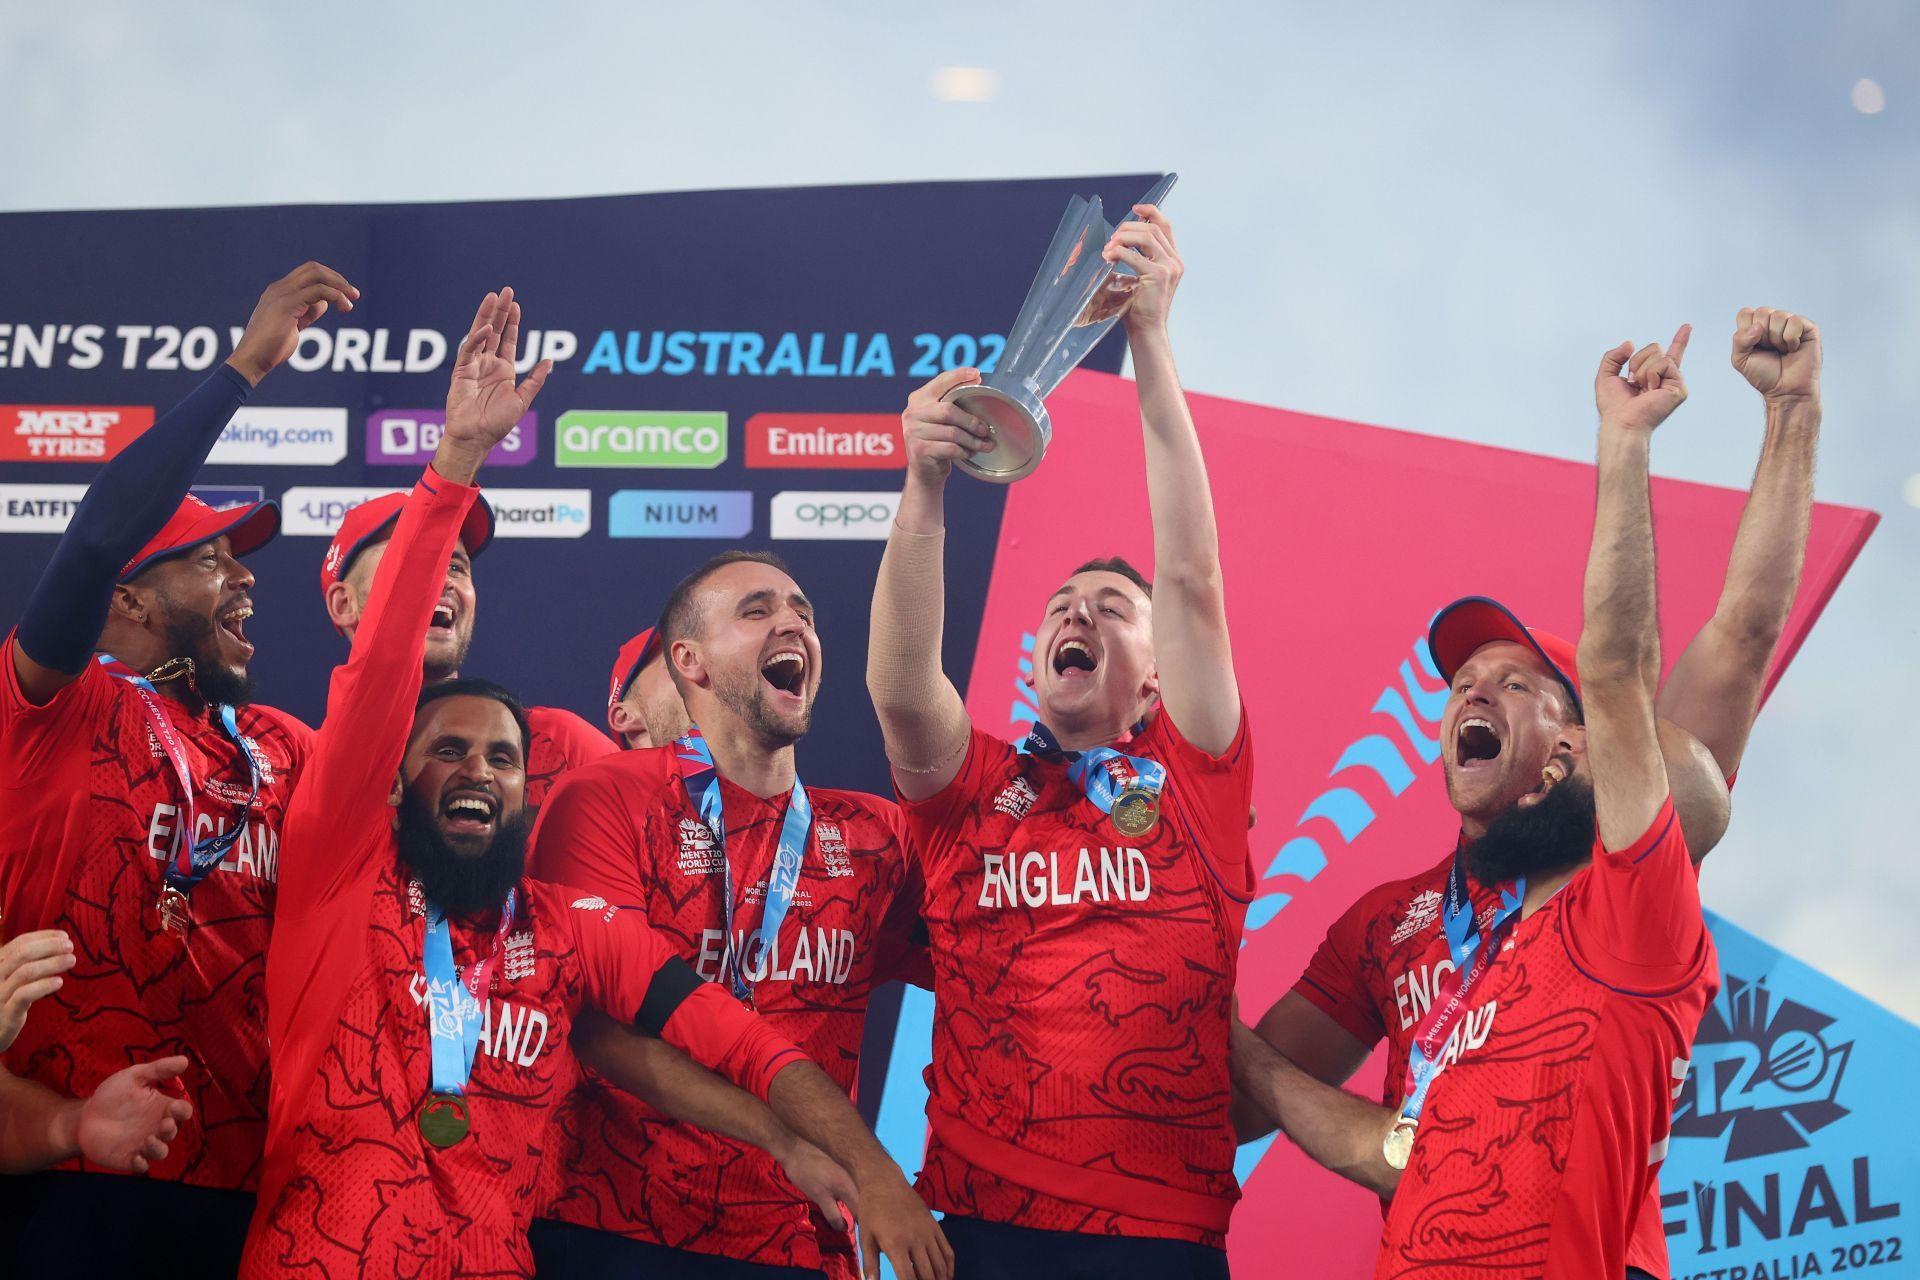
(395, 794)
(1571, 740)
(620, 719)
(1150, 687)
(343, 606)
(129, 603)
(688, 663)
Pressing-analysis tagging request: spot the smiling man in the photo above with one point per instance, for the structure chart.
(141, 814)
(796, 900)
(1085, 891)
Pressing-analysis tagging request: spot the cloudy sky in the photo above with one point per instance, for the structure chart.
(1431, 217)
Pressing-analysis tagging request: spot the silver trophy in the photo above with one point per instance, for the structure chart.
(1076, 297)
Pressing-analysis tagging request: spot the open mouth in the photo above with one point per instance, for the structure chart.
(786, 671)
(1476, 742)
(1074, 660)
(469, 813)
(442, 619)
(234, 623)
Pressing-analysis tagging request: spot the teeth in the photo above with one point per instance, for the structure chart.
(1076, 644)
(237, 615)
(443, 616)
(475, 807)
(1475, 722)
(785, 655)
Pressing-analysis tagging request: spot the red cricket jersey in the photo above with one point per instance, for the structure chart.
(1082, 986)
(90, 810)
(561, 741)
(1539, 1149)
(350, 1186)
(1375, 974)
(625, 829)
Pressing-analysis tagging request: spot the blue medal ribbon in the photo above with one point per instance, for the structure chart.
(1472, 956)
(702, 781)
(196, 858)
(454, 1012)
(1103, 773)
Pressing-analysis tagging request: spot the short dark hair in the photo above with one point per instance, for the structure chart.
(680, 616)
(475, 687)
(1120, 565)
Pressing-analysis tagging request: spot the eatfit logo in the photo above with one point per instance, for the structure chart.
(69, 432)
(1765, 1072)
(839, 440)
(632, 438)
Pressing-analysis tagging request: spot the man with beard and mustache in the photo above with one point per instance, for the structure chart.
(1373, 976)
(422, 993)
(796, 899)
(141, 815)
(1550, 1024)
(1085, 890)
(561, 740)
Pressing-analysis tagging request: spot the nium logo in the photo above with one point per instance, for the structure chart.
(837, 515)
(409, 437)
(541, 513)
(680, 513)
(69, 432)
(1768, 1073)
(283, 438)
(840, 440)
(38, 508)
(631, 438)
(317, 510)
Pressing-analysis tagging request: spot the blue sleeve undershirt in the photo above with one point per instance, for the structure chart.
(128, 503)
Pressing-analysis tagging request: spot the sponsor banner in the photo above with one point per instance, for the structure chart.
(541, 513)
(680, 513)
(38, 508)
(69, 432)
(841, 440)
(1792, 1151)
(282, 438)
(633, 438)
(408, 437)
(837, 515)
(316, 511)
(222, 497)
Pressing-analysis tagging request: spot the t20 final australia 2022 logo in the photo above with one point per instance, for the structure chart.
(1766, 1073)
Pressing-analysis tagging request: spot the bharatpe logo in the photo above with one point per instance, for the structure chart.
(541, 513)
(316, 511)
(1767, 1074)
(408, 437)
(623, 438)
(69, 432)
(680, 513)
(837, 516)
(282, 438)
(840, 440)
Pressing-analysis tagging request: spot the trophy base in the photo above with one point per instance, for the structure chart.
(1020, 432)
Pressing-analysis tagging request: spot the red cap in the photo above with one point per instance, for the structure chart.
(367, 523)
(1472, 621)
(248, 528)
(634, 654)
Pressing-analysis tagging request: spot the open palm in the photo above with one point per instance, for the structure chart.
(483, 404)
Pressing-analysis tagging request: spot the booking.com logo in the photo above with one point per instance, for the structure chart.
(837, 515)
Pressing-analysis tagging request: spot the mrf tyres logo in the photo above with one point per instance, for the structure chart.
(1767, 1074)
(69, 432)
(632, 438)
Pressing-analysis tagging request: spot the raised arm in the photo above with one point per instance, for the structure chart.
(137, 492)
(1619, 654)
(1190, 646)
(1714, 689)
(923, 720)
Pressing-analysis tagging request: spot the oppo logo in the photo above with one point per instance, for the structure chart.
(836, 515)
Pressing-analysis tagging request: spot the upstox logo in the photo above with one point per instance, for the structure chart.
(629, 438)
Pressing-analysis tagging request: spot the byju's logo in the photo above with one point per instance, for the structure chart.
(316, 511)
(800, 514)
(283, 438)
(69, 432)
(541, 513)
(680, 513)
(409, 436)
(622, 438)
(1768, 1073)
(864, 440)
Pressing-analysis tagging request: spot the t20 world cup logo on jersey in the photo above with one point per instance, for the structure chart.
(1766, 1073)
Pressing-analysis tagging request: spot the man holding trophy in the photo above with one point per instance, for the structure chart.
(1086, 889)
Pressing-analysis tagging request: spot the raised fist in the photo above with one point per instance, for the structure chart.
(1778, 352)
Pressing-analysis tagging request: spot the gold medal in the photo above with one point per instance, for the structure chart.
(176, 913)
(1398, 1148)
(443, 1119)
(1136, 812)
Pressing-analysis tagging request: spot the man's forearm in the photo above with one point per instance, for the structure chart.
(1763, 573)
(674, 1084)
(922, 718)
(1186, 538)
(1343, 1133)
(1619, 635)
(807, 1101)
(38, 1127)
